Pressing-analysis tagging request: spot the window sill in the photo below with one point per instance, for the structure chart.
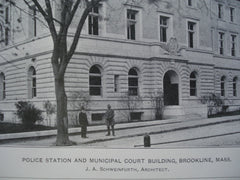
(192, 7)
(96, 97)
(193, 97)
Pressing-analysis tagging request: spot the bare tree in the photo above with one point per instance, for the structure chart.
(62, 51)
(157, 103)
(78, 99)
(50, 109)
(129, 104)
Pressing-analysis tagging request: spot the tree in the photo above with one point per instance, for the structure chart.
(157, 99)
(78, 99)
(62, 51)
(215, 103)
(50, 109)
(129, 104)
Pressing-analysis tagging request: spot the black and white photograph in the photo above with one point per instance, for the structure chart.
(121, 76)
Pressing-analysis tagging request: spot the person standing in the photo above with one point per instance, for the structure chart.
(83, 122)
(109, 116)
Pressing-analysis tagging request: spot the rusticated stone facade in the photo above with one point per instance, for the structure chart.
(183, 50)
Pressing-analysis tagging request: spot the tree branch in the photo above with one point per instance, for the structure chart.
(63, 27)
(39, 8)
(72, 13)
(51, 22)
(89, 7)
(69, 54)
(47, 18)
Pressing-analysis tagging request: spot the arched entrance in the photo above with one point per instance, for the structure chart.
(170, 87)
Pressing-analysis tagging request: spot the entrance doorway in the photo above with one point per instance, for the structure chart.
(170, 87)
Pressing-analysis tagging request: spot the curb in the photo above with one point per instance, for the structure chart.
(77, 130)
(162, 131)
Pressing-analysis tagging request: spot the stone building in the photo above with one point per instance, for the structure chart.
(130, 52)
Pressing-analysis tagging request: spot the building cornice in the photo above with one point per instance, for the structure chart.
(199, 50)
(201, 64)
(226, 68)
(226, 57)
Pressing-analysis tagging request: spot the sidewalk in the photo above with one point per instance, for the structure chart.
(90, 129)
(157, 127)
(123, 130)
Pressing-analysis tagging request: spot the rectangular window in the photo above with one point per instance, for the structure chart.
(191, 34)
(220, 11)
(233, 45)
(97, 116)
(7, 15)
(221, 43)
(136, 116)
(232, 11)
(131, 24)
(189, 2)
(163, 28)
(116, 83)
(1, 8)
(93, 21)
(32, 21)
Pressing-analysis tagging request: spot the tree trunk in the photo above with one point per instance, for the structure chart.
(62, 114)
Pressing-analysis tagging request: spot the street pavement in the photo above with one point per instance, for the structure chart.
(215, 135)
(163, 133)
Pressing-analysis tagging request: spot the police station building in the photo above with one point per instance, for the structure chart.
(130, 53)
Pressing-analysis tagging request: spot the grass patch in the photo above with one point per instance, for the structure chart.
(17, 128)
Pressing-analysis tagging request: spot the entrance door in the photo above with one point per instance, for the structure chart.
(170, 86)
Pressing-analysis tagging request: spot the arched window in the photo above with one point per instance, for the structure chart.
(95, 81)
(133, 82)
(32, 83)
(235, 86)
(223, 78)
(2, 86)
(193, 84)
